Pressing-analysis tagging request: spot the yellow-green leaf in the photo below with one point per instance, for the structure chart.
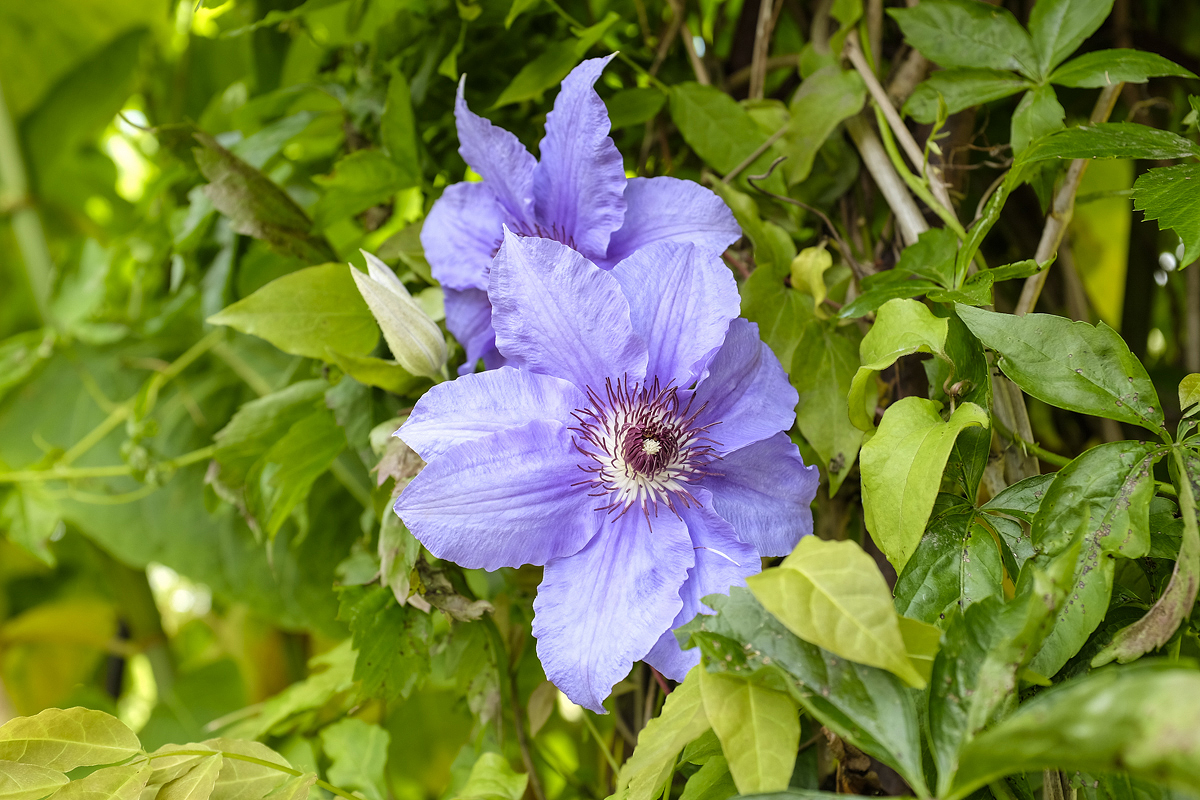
(921, 640)
(66, 738)
(27, 781)
(682, 719)
(833, 595)
(1189, 391)
(759, 729)
(808, 271)
(111, 783)
(195, 784)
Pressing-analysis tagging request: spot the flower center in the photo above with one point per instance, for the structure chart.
(644, 447)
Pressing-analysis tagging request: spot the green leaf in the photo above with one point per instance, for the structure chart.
(518, 8)
(20, 355)
(825, 98)
(257, 207)
(902, 327)
(868, 707)
(759, 729)
(259, 423)
(825, 361)
(1015, 270)
(921, 642)
(1022, 499)
(832, 595)
(974, 679)
(964, 33)
(807, 272)
(239, 779)
(880, 294)
(548, 69)
(902, 467)
(956, 563)
(63, 739)
(960, 89)
(284, 475)
(634, 106)
(111, 783)
(1102, 500)
(681, 720)
(28, 781)
(1167, 195)
(1107, 140)
(398, 551)
(386, 375)
(1179, 597)
(1189, 391)
(1108, 67)
(392, 641)
(1058, 27)
(492, 778)
(29, 519)
(307, 313)
(330, 674)
(713, 781)
(362, 179)
(398, 128)
(296, 788)
(1038, 114)
(1139, 721)
(721, 132)
(195, 784)
(931, 257)
(358, 751)
(1071, 365)
(259, 148)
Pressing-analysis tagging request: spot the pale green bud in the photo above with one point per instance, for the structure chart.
(415, 340)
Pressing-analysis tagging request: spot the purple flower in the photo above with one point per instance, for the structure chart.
(577, 194)
(637, 450)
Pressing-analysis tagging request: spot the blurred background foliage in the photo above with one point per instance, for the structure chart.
(163, 586)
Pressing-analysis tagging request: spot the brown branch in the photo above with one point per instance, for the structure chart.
(678, 9)
(908, 217)
(774, 62)
(762, 46)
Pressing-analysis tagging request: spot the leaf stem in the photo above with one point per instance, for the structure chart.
(77, 473)
(1032, 447)
(591, 726)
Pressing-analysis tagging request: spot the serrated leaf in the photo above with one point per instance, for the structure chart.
(963, 33)
(307, 313)
(832, 595)
(902, 467)
(392, 641)
(1058, 27)
(1109, 67)
(1072, 365)
(259, 423)
(283, 476)
(759, 729)
(358, 751)
(681, 720)
(28, 781)
(65, 738)
(1169, 195)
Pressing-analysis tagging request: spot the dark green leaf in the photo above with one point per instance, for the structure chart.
(1168, 195)
(875, 298)
(259, 423)
(720, 131)
(634, 106)
(1072, 365)
(1108, 140)
(1139, 720)
(392, 641)
(283, 476)
(1108, 67)
(1022, 499)
(931, 257)
(256, 206)
(960, 89)
(823, 101)
(1100, 500)
(1038, 114)
(825, 361)
(966, 33)
(358, 752)
(398, 128)
(869, 707)
(955, 564)
(1058, 27)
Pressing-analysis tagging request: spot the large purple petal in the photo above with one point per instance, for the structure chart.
(722, 560)
(745, 392)
(580, 181)
(469, 318)
(764, 491)
(461, 235)
(557, 313)
(681, 301)
(503, 500)
(670, 209)
(475, 406)
(497, 155)
(603, 608)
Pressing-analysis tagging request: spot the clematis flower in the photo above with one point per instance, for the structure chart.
(577, 194)
(635, 447)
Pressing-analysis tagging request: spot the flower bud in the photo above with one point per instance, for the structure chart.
(415, 340)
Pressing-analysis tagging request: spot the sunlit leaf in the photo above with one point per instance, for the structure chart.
(63, 739)
(759, 729)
